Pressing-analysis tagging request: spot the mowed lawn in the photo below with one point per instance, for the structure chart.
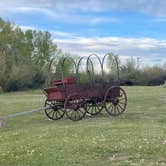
(138, 137)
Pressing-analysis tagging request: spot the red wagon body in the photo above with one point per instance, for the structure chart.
(63, 88)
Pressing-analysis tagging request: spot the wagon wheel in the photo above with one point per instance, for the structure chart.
(55, 111)
(75, 107)
(115, 101)
(94, 107)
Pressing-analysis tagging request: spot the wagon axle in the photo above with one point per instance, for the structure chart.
(115, 101)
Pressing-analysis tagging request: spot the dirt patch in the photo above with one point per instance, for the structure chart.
(2, 123)
(119, 157)
(162, 100)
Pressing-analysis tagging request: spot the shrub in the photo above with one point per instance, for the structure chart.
(1, 90)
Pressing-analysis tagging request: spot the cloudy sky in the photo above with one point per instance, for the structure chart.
(126, 27)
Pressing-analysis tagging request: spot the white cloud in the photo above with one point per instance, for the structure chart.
(69, 11)
(148, 49)
(62, 34)
(154, 7)
(24, 28)
(59, 15)
(157, 20)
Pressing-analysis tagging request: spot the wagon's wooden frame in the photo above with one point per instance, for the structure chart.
(68, 96)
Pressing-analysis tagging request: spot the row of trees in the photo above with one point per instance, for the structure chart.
(131, 74)
(25, 58)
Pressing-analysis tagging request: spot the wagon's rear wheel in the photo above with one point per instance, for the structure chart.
(55, 110)
(75, 107)
(115, 101)
(94, 107)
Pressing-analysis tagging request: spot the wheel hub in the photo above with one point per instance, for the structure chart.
(76, 107)
(54, 107)
(115, 101)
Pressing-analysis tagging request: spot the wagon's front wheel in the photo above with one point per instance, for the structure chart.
(54, 110)
(75, 107)
(115, 101)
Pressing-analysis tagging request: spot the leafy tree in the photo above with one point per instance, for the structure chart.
(113, 67)
(24, 57)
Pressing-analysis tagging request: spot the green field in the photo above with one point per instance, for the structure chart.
(137, 138)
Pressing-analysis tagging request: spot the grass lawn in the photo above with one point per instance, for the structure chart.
(137, 138)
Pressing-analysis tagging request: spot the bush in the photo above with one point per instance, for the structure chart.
(148, 76)
(164, 85)
(1, 90)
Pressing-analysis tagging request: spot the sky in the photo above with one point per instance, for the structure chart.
(129, 28)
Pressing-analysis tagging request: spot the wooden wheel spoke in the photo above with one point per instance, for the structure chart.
(120, 106)
(120, 99)
(122, 103)
(110, 106)
(92, 109)
(69, 110)
(53, 114)
(50, 112)
(80, 111)
(72, 113)
(98, 107)
(88, 108)
(78, 114)
(95, 108)
(58, 113)
(75, 115)
(118, 109)
(115, 110)
(121, 93)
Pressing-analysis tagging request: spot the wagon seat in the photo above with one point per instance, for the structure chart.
(67, 80)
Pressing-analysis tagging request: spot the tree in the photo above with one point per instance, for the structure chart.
(113, 66)
(24, 56)
(43, 47)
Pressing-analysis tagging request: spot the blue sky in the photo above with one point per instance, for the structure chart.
(125, 27)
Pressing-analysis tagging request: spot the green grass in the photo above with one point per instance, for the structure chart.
(136, 138)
